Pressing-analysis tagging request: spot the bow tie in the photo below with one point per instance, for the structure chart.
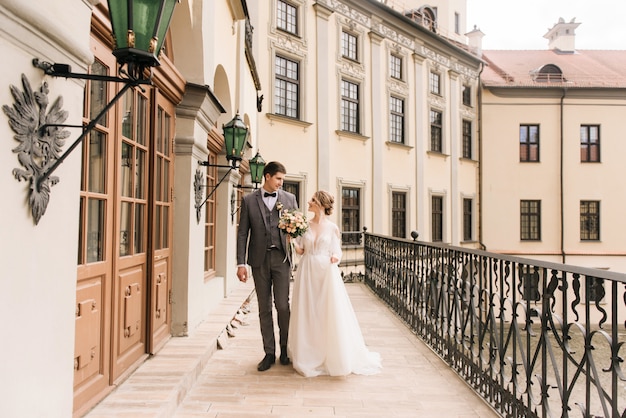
(266, 194)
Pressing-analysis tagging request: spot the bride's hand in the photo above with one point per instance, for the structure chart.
(333, 259)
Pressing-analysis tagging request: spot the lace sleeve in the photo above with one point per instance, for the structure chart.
(336, 243)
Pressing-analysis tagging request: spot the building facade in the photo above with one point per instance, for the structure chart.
(372, 104)
(124, 255)
(135, 245)
(552, 122)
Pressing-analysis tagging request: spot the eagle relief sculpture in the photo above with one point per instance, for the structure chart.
(40, 136)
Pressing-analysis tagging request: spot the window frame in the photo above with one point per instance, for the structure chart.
(350, 107)
(526, 147)
(434, 83)
(279, 17)
(397, 119)
(530, 218)
(466, 95)
(288, 81)
(587, 217)
(586, 144)
(399, 215)
(396, 67)
(467, 140)
(468, 219)
(437, 217)
(349, 45)
(353, 236)
(436, 143)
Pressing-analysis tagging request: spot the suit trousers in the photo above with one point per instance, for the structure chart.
(273, 276)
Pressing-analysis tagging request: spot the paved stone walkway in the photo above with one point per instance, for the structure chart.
(188, 378)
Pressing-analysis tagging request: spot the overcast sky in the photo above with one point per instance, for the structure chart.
(521, 24)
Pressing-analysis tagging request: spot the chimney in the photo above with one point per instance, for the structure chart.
(475, 38)
(561, 36)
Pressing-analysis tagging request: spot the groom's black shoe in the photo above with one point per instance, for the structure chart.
(284, 360)
(267, 362)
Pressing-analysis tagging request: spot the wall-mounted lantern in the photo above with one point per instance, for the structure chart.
(139, 28)
(235, 138)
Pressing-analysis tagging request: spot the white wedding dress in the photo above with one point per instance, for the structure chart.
(324, 334)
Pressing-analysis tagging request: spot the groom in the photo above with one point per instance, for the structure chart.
(265, 244)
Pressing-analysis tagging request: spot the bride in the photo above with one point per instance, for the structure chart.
(324, 334)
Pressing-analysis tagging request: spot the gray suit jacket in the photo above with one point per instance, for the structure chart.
(251, 235)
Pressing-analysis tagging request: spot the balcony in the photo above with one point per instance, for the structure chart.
(534, 339)
(531, 339)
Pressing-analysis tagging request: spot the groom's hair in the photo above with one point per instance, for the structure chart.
(274, 167)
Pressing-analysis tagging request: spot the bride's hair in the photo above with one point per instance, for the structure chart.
(325, 200)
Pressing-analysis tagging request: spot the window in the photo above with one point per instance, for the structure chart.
(435, 131)
(349, 106)
(529, 143)
(467, 95)
(548, 73)
(594, 290)
(467, 139)
(395, 67)
(398, 214)
(294, 188)
(530, 220)
(530, 283)
(396, 120)
(457, 23)
(350, 216)
(435, 83)
(590, 143)
(210, 216)
(287, 89)
(589, 220)
(349, 46)
(287, 17)
(437, 219)
(468, 219)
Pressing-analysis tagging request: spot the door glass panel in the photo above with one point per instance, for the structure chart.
(127, 114)
(166, 135)
(140, 186)
(141, 120)
(98, 93)
(95, 230)
(125, 230)
(125, 170)
(97, 153)
(158, 176)
(81, 237)
(166, 180)
(164, 224)
(159, 131)
(140, 217)
(158, 219)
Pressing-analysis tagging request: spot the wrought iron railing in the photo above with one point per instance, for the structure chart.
(534, 339)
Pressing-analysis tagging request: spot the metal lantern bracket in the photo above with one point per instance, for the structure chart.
(206, 164)
(39, 128)
(139, 30)
(133, 79)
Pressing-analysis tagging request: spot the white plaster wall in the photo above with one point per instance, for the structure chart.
(39, 261)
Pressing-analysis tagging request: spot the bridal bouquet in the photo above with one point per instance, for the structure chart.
(295, 224)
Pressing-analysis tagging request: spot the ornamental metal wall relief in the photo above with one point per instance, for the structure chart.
(198, 187)
(40, 137)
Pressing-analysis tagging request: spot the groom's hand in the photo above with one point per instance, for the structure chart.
(242, 273)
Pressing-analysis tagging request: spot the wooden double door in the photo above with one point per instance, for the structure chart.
(125, 233)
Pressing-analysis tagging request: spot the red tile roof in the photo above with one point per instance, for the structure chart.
(581, 69)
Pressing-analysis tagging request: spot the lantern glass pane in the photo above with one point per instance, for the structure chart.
(118, 11)
(166, 17)
(145, 15)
